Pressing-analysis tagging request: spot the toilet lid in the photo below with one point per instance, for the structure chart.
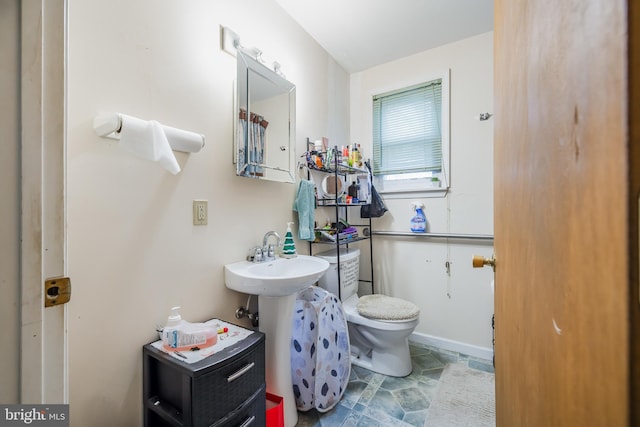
(382, 307)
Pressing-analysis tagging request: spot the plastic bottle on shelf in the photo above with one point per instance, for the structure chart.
(180, 335)
(345, 155)
(328, 159)
(353, 190)
(419, 220)
(355, 159)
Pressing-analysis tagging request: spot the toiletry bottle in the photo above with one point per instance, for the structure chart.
(328, 160)
(289, 246)
(353, 190)
(180, 335)
(419, 220)
(356, 159)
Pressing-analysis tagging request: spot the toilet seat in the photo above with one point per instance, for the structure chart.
(384, 308)
(350, 307)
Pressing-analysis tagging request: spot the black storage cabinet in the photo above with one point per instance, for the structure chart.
(224, 389)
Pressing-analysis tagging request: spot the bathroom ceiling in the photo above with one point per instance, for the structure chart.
(361, 34)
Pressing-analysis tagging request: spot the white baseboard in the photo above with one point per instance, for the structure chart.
(450, 345)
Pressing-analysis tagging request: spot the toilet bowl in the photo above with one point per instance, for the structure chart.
(379, 337)
(379, 345)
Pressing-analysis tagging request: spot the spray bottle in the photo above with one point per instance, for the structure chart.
(419, 220)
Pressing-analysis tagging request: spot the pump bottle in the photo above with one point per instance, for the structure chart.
(289, 246)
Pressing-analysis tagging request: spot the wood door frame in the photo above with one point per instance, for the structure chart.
(634, 204)
(43, 370)
(10, 207)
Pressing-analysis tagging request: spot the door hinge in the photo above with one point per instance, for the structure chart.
(57, 291)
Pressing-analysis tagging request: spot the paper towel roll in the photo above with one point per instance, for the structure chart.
(147, 139)
(183, 140)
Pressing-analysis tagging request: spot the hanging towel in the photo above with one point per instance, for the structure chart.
(304, 204)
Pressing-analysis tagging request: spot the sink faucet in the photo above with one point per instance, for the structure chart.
(268, 251)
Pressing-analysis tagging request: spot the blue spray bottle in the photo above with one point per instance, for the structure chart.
(419, 220)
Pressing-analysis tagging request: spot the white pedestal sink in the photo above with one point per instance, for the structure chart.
(276, 284)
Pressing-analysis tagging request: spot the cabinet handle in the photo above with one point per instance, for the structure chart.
(248, 421)
(240, 372)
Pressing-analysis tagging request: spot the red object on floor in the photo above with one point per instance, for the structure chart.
(275, 411)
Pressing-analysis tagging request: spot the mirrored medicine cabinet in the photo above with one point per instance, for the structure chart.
(265, 125)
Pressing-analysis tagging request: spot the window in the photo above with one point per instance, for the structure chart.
(410, 138)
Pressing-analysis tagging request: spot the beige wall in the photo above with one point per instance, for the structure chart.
(10, 206)
(133, 251)
(456, 309)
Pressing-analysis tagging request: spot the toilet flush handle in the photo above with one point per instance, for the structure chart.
(479, 261)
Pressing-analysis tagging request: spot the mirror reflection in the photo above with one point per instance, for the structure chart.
(265, 129)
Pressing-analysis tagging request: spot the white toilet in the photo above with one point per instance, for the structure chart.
(379, 326)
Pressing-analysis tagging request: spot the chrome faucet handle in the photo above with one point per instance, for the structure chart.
(258, 256)
(271, 251)
(255, 254)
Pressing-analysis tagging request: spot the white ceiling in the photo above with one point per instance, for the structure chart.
(361, 34)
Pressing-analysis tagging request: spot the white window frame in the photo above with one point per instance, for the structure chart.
(393, 188)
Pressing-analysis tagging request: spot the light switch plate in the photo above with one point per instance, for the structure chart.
(229, 40)
(200, 212)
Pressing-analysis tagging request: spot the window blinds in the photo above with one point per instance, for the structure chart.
(406, 130)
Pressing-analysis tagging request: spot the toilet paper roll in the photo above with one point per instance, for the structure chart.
(147, 139)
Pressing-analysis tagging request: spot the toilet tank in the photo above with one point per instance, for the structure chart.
(349, 272)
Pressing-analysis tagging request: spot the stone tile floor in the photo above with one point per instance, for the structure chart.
(373, 399)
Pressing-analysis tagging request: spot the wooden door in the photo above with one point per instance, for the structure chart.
(562, 215)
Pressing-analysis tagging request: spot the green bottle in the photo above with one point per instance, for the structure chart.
(289, 247)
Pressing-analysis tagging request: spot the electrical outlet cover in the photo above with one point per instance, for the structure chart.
(200, 212)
